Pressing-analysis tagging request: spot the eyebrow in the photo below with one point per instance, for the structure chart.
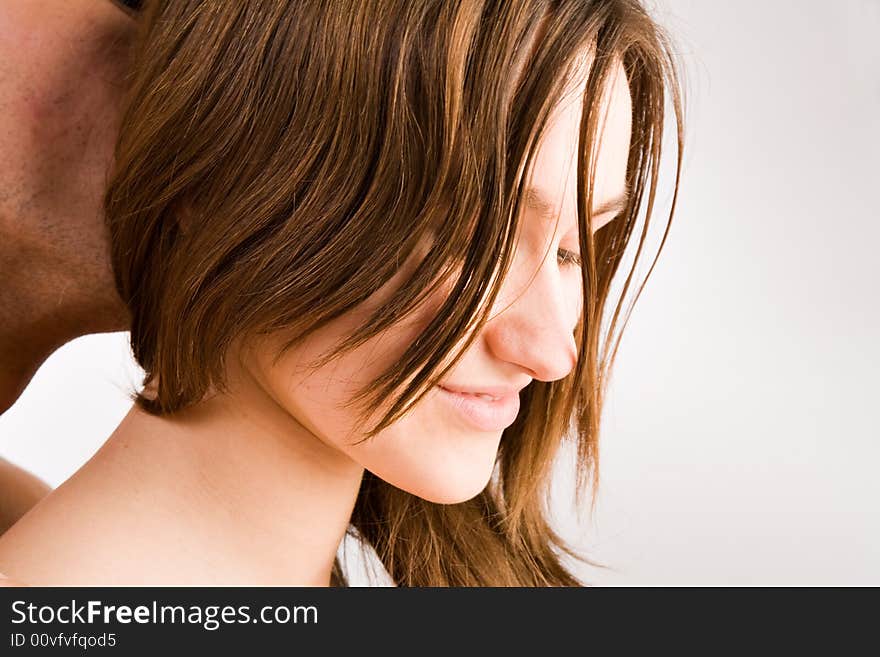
(538, 202)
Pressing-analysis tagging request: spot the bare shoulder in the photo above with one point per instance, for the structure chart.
(19, 492)
(6, 582)
(101, 526)
(47, 543)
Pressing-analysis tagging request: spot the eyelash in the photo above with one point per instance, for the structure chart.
(570, 258)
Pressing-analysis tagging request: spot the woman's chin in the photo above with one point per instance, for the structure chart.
(444, 485)
(451, 496)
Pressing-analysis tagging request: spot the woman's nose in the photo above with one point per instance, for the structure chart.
(532, 325)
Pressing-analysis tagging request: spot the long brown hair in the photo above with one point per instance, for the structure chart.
(276, 162)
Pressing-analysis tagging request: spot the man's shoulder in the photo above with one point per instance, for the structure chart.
(19, 492)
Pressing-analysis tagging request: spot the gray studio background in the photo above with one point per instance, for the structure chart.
(741, 442)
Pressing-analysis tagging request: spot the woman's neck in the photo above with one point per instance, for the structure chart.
(255, 475)
(233, 490)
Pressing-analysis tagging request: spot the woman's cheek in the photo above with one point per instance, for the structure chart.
(318, 398)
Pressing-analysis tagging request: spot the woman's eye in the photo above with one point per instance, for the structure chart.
(569, 258)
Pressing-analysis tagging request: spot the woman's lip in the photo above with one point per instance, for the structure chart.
(483, 414)
(492, 391)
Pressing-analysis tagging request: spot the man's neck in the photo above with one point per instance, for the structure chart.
(41, 309)
(62, 67)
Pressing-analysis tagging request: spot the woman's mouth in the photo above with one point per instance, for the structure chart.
(483, 411)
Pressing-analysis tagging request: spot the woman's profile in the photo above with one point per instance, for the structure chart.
(367, 249)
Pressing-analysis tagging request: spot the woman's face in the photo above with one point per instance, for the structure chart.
(444, 448)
